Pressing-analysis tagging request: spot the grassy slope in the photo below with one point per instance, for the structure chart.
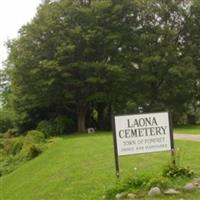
(82, 168)
(189, 129)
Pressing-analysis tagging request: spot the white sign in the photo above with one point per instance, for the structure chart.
(142, 133)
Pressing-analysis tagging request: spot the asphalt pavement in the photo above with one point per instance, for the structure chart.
(187, 137)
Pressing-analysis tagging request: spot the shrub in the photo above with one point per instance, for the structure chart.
(31, 151)
(12, 146)
(17, 146)
(129, 185)
(9, 164)
(57, 126)
(34, 137)
(17, 150)
(172, 171)
(7, 134)
(45, 127)
(6, 120)
(7, 146)
(160, 182)
(62, 125)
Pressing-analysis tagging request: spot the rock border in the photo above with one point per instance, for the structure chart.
(156, 191)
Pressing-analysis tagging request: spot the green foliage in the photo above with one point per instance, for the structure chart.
(45, 127)
(58, 126)
(14, 151)
(62, 125)
(7, 120)
(172, 171)
(31, 151)
(161, 182)
(9, 164)
(128, 185)
(34, 137)
(13, 146)
(125, 55)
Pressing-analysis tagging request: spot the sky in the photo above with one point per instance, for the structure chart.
(13, 15)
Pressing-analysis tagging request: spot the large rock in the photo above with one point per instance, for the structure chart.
(189, 187)
(171, 191)
(131, 196)
(196, 182)
(120, 195)
(155, 191)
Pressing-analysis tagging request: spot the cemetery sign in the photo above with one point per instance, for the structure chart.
(142, 133)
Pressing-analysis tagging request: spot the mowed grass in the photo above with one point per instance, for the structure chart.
(188, 129)
(81, 167)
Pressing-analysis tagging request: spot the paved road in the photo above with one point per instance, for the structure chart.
(187, 137)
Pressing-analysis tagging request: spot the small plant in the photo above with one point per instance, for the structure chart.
(161, 182)
(137, 182)
(118, 188)
(129, 185)
(17, 146)
(173, 171)
(32, 151)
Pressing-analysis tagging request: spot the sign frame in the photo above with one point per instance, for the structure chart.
(171, 138)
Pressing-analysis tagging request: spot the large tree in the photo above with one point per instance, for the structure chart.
(76, 57)
(60, 63)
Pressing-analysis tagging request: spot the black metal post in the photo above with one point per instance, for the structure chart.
(115, 148)
(172, 139)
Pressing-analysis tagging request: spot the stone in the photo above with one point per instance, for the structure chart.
(171, 191)
(120, 195)
(197, 180)
(131, 196)
(189, 187)
(91, 130)
(155, 191)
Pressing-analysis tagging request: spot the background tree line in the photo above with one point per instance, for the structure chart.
(78, 62)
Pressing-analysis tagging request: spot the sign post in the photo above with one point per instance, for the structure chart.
(172, 140)
(142, 133)
(115, 148)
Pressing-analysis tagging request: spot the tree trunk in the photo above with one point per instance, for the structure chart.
(81, 116)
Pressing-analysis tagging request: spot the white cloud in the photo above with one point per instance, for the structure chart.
(13, 15)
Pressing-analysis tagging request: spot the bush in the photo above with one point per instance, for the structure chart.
(7, 134)
(34, 137)
(172, 171)
(45, 127)
(6, 120)
(12, 146)
(57, 126)
(16, 150)
(160, 182)
(17, 146)
(62, 125)
(31, 151)
(8, 165)
(130, 185)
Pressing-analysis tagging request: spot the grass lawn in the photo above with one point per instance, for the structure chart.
(81, 167)
(188, 129)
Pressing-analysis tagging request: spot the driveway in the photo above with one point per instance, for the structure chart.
(187, 137)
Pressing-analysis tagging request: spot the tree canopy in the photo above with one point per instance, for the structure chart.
(88, 59)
